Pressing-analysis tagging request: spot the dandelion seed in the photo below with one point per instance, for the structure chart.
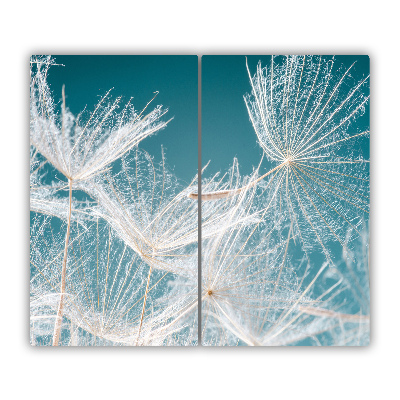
(82, 149)
(301, 109)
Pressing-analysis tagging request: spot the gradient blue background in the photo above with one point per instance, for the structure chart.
(88, 78)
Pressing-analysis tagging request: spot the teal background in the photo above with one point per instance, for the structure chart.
(227, 132)
(226, 129)
(88, 78)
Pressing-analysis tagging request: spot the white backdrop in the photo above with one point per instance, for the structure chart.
(206, 27)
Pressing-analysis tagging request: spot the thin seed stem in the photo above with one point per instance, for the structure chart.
(221, 194)
(57, 327)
